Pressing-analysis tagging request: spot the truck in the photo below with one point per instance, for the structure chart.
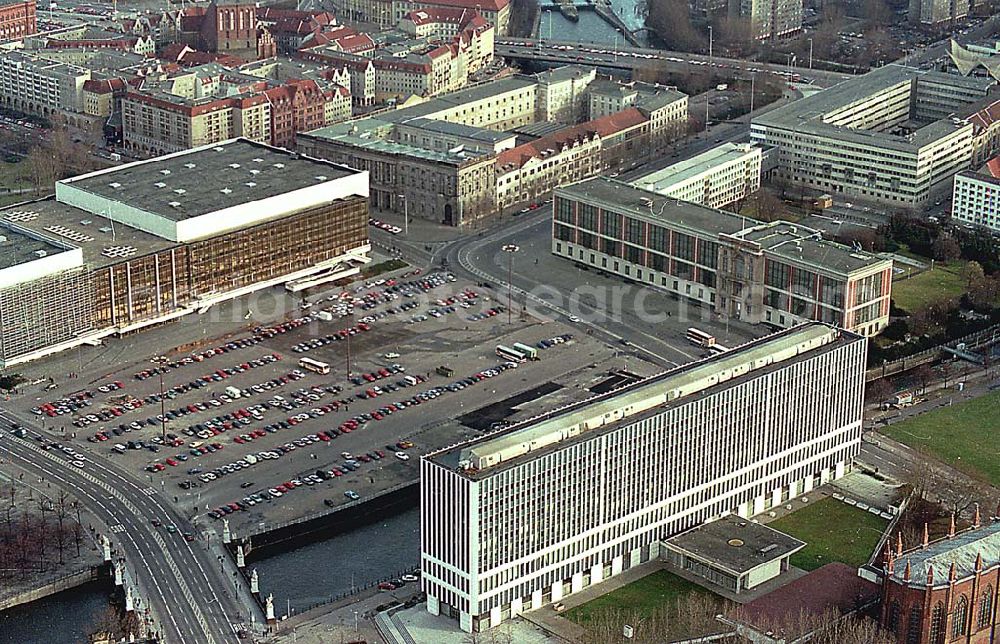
(445, 371)
(721, 87)
(900, 400)
(233, 392)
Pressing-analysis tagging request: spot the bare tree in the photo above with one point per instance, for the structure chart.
(879, 390)
(924, 375)
(946, 248)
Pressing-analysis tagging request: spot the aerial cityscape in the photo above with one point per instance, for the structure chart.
(499, 321)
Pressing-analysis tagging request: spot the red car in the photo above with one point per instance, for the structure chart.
(171, 462)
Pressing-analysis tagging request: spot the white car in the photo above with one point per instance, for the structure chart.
(391, 355)
(403, 456)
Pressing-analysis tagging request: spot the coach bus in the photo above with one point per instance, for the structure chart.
(510, 354)
(314, 365)
(700, 338)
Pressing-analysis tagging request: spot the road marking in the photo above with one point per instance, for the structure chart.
(149, 491)
(118, 528)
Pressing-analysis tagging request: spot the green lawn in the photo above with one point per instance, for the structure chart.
(943, 282)
(833, 531)
(10, 176)
(962, 435)
(643, 595)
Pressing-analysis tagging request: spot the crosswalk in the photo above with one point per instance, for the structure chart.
(117, 528)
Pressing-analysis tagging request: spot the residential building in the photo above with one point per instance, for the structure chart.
(976, 197)
(460, 26)
(562, 94)
(522, 517)
(723, 175)
(17, 19)
(769, 19)
(884, 137)
(485, 171)
(937, 14)
(89, 38)
(212, 103)
(34, 84)
(138, 245)
(943, 590)
(776, 273)
(388, 13)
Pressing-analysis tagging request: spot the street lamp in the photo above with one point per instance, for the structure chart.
(510, 249)
(710, 43)
(406, 214)
(159, 361)
(810, 53)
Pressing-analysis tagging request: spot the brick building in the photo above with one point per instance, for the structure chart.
(17, 19)
(946, 590)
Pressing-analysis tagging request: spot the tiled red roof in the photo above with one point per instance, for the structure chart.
(993, 166)
(516, 157)
(835, 586)
(485, 5)
(103, 86)
(614, 123)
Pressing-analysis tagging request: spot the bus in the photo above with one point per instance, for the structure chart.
(700, 338)
(716, 349)
(510, 354)
(531, 353)
(314, 365)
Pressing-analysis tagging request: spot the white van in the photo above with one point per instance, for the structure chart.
(233, 392)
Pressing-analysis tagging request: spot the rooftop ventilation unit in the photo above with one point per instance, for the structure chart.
(21, 215)
(175, 204)
(226, 191)
(279, 165)
(250, 184)
(180, 191)
(3, 238)
(41, 253)
(85, 222)
(160, 184)
(69, 234)
(219, 149)
(258, 160)
(255, 172)
(164, 172)
(189, 166)
(234, 166)
(321, 178)
(118, 251)
(105, 229)
(115, 185)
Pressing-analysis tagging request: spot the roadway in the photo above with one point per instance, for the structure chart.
(628, 58)
(185, 587)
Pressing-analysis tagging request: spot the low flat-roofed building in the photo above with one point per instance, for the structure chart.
(776, 273)
(732, 552)
(716, 178)
(154, 240)
(523, 516)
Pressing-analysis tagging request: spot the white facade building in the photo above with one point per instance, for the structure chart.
(715, 178)
(976, 199)
(525, 516)
(889, 136)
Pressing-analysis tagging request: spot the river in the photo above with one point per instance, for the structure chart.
(591, 27)
(67, 617)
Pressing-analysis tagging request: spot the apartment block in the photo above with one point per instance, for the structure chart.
(769, 19)
(715, 178)
(882, 137)
(17, 19)
(776, 273)
(525, 516)
(976, 197)
(34, 84)
(388, 13)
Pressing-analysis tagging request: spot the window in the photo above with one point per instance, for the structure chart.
(985, 609)
(958, 618)
(937, 623)
(893, 616)
(913, 627)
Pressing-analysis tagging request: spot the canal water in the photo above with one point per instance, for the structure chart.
(591, 28)
(298, 579)
(67, 617)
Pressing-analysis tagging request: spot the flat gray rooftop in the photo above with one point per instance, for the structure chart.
(619, 398)
(791, 241)
(735, 544)
(198, 180)
(91, 233)
(18, 247)
(688, 168)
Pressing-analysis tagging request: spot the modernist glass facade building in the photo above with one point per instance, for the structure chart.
(718, 177)
(976, 197)
(894, 135)
(775, 273)
(140, 244)
(527, 515)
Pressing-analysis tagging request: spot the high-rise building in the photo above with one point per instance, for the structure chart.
(523, 517)
(769, 19)
(937, 14)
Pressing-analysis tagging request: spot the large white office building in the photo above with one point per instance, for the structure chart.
(716, 178)
(527, 515)
(976, 197)
(896, 135)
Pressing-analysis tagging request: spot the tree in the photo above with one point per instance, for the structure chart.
(972, 273)
(877, 13)
(522, 17)
(924, 375)
(671, 20)
(879, 390)
(10, 381)
(767, 206)
(985, 293)
(946, 248)
(43, 170)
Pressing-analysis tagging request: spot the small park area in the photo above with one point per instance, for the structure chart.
(833, 531)
(643, 596)
(943, 282)
(962, 435)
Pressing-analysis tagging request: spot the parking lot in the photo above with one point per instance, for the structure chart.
(249, 428)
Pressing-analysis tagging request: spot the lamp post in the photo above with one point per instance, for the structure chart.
(810, 53)
(752, 77)
(710, 43)
(510, 249)
(159, 361)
